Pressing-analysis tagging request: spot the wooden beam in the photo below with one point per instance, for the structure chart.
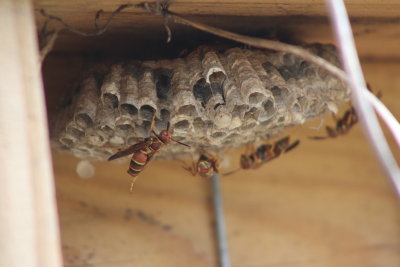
(326, 203)
(28, 219)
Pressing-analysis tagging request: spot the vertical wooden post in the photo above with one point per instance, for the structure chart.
(29, 234)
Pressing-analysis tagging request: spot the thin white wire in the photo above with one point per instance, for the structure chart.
(342, 29)
(385, 114)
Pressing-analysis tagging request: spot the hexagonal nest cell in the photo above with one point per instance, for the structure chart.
(214, 100)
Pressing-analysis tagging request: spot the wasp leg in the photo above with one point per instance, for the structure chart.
(132, 183)
(292, 146)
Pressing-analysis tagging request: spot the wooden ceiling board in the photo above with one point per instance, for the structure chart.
(376, 24)
(327, 203)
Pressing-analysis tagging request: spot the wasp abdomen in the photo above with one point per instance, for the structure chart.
(138, 161)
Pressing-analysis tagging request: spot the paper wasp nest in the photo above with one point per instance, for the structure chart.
(213, 100)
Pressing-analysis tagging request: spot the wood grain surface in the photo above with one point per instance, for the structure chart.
(326, 203)
(29, 234)
(135, 31)
(239, 7)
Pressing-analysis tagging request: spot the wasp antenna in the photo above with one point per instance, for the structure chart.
(182, 143)
(179, 142)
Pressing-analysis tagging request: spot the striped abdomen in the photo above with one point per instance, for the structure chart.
(138, 161)
(140, 158)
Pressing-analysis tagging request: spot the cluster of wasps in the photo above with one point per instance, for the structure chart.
(207, 164)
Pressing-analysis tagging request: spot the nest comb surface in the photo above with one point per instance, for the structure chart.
(214, 100)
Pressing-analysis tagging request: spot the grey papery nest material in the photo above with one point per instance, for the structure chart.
(213, 100)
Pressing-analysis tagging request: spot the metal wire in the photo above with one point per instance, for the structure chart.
(220, 222)
(341, 24)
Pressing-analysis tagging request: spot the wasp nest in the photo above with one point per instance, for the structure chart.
(213, 100)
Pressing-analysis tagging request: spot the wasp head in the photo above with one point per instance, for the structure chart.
(245, 162)
(165, 137)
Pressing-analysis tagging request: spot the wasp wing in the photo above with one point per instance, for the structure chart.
(130, 150)
(281, 145)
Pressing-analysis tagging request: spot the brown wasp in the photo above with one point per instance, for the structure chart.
(145, 150)
(205, 167)
(265, 153)
(343, 124)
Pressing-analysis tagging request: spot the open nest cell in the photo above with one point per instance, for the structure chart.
(213, 99)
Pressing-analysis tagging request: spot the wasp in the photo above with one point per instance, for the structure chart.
(205, 166)
(344, 123)
(145, 150)
(265, 153)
